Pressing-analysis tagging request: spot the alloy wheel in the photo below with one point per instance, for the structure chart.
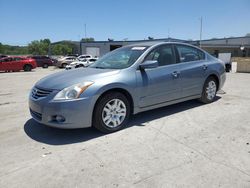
(114, 113)
(211, 90)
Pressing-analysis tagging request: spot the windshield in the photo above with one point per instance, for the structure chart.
(120, 58)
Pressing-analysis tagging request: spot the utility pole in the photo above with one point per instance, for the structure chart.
(200, 31)
(85, 30)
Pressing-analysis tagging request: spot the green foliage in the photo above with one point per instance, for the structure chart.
(91, 39)
(13, 50)
(39, 47)
(61, 49)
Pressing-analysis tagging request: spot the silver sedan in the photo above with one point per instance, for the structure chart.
(124, 82)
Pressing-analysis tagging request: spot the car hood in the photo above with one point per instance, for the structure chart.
(63, 79)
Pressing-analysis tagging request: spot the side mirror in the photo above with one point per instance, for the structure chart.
(149, 64)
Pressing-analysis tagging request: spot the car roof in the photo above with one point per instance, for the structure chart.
(155, 43)
(13, 57)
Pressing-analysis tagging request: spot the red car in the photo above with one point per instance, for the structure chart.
(17, 64)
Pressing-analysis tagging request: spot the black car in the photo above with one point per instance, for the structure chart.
(43, 61)
(2, 56)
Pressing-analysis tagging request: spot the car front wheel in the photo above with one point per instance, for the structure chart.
(112, 112)
(209, 90)
(64, 65)
(45, 66)
(27, 68)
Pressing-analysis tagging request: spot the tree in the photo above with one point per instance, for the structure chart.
(61, 49)
(39, 47)
(1, 48)
(13, 50)
(91, 39)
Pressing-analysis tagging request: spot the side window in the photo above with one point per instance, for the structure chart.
(17, 59)
(163, 54)
(7, 60)
(187, 53)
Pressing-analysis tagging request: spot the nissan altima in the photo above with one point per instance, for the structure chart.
(124, 82)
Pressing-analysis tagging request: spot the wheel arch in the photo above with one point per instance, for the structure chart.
(125, 92)
(216, 77)
(27, 64)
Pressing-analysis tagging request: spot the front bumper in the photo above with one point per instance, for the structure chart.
(77, 113)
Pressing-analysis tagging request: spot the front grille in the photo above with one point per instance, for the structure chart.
(36, 115)
(38, 93)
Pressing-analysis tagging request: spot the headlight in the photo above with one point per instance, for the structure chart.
(73, 92)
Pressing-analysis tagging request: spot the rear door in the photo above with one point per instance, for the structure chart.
(193, 68)
(1, 65)
(161, 84)
(6, 64)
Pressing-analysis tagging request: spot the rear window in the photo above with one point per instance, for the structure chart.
(188, 53)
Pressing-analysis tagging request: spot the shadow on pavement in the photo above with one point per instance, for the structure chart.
(54, 136)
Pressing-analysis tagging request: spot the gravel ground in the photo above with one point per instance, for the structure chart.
(183, 145)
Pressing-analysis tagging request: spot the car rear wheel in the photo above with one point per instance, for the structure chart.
(111, 113)
(64, 65)
(45, 65)
(27, 68)
(209, 90)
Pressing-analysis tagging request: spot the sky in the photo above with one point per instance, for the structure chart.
(23, 21)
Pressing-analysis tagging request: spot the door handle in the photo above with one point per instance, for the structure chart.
(204, 67)
(175, 74)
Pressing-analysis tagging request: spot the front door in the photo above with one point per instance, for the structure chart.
(161, 84)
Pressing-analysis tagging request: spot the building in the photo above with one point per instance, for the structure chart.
(99, 48)
(237, 46)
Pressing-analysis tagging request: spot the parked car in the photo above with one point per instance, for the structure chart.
(63, 62)
(72, 55)
(126, 81)
(84, 57)
(2, 56)
(16, 63)
(78, 64)
(42, 61)
(226, 58)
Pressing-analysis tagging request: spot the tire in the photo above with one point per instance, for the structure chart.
(27, 68)
(80, 65)
(109, 117)
(209, 90)
(45, 66)
(64, 65)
